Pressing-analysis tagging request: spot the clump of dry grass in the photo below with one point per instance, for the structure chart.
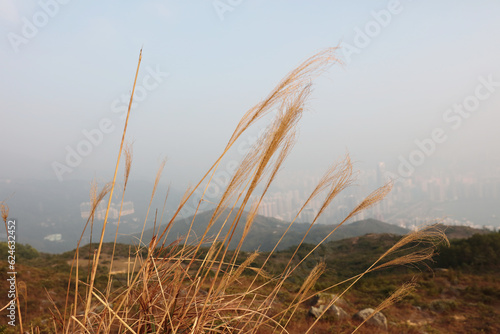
(4, 210)
(174, 289)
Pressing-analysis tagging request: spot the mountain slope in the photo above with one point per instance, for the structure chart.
(265, 232)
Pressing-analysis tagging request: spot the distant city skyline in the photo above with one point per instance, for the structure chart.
(393, 209)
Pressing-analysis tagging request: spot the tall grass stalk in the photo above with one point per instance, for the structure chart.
(94, 269)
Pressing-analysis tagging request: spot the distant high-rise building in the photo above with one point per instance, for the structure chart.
(381, 174)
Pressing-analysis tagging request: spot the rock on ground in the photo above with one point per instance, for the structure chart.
(378, 318)
(334, 311)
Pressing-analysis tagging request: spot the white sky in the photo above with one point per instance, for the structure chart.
(65, 76)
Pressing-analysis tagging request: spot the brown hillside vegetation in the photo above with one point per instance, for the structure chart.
(452, 300)
(460, 232)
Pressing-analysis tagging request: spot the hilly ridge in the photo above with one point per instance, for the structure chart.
(265, 231)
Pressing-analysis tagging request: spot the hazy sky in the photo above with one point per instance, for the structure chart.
(67, 67)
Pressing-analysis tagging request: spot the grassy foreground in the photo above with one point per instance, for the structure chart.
(189, 286)
(458, 295)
